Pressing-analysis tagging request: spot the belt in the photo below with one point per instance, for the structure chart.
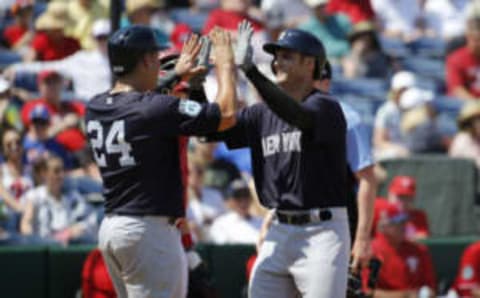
(303, 217)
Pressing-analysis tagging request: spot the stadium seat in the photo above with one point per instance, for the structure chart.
(26, 80)
(366, 87)
(426, 67)
(8, 57)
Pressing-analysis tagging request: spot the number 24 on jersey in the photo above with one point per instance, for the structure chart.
(111, 142)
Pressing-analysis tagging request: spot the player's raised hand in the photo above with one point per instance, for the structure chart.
(244, 50)
(187, 61)
(222, 46)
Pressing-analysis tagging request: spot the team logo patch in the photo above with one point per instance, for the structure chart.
(467, 273)
(189, 107)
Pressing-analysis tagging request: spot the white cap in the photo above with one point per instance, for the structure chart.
(4, 85)
(415, 97)
(403, 79)
(101, 27)
(315, 3)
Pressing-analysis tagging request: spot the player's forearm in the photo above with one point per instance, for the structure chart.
(366, 198)
(280, 103)
(226, 95)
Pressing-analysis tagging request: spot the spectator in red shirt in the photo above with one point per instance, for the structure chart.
(406, 266)
(356, 10)
(463, 65)
(467, 283)
(402, 191)
(20, 33)
(50, 42)
(65, 116)
(229, 15)
(96, 283)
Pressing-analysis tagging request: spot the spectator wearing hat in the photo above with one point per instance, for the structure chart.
(37, 143)
(366, 58)
(83, 14)
(387, 135)
(419, 122)
(50, 41)
(78, 66)
(237, 226)
(467, 282)
(463, 65)
(466, 143)
(20, 33)
(331, 29)
(402, 191)
(406, 266)
(65, 116)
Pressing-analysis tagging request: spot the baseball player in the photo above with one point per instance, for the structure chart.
(133, 132)
(297, 138)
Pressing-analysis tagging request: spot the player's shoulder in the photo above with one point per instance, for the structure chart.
(323, 98)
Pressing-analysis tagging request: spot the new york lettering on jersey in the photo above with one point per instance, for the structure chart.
(282, 142)
(293, 169)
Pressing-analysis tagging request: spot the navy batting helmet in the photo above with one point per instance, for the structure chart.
(127, 46)
(299, 41)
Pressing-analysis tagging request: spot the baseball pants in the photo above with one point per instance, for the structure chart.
(144, 256)
(309, 261)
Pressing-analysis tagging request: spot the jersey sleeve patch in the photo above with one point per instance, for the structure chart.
(189, 107)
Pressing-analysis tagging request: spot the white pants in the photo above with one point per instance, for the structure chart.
(144, 256)
(309, 261)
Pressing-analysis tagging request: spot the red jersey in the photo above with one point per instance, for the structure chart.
(463, 69)
(356, 10)
(403, 268)
(417, 224)
(47, 49)
(72, 139)
(228, 20)
(96, 282)
(468, 276)
(13, 33)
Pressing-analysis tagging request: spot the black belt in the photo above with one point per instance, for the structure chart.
(303, 218)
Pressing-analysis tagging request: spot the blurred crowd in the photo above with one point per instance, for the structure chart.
(411, 68)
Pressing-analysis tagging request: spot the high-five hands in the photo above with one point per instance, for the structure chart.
(244, 50)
